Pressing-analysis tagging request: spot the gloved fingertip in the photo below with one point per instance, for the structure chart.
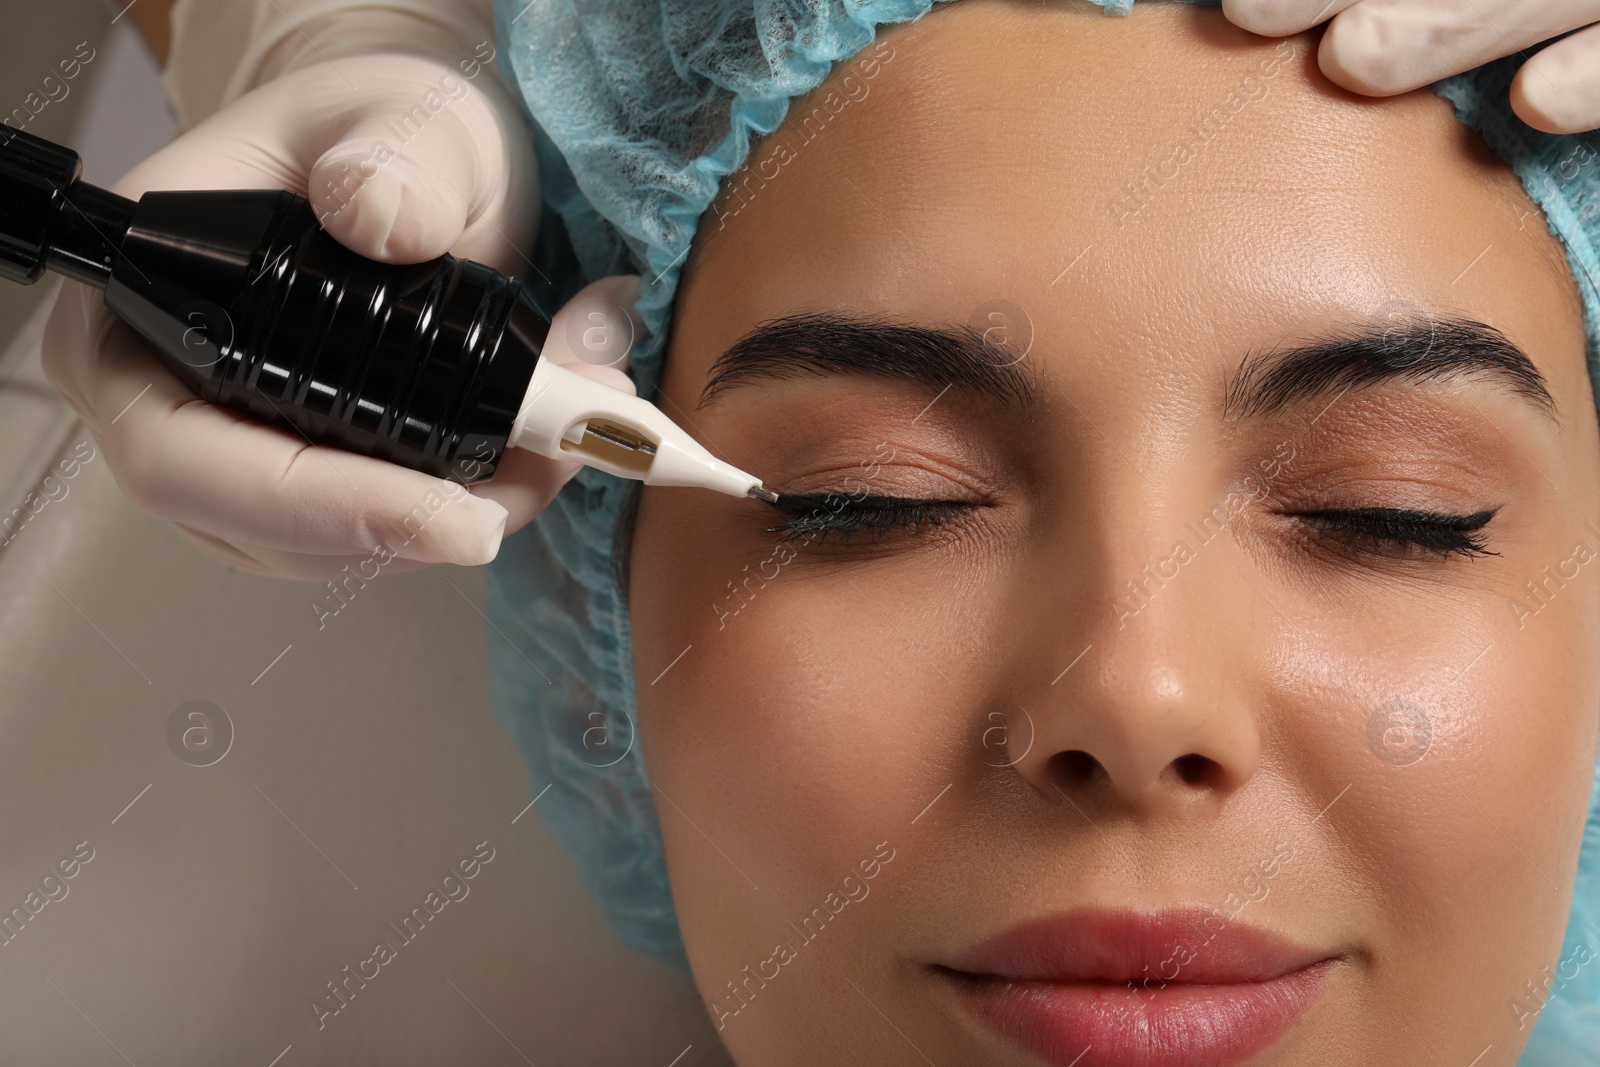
(427, 220)
(482, 554)
(525, 483)
(473, 537)
(387, 209)
(598, 327)
(1260, 17)
(623, 287)
(1282, 18)
(1359, 52)
(1543, 95)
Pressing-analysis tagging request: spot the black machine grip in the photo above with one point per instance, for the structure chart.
(255, 306)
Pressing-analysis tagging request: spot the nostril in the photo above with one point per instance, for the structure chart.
(1077, 767)
(1196, 769)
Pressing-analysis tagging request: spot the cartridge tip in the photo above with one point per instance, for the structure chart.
(762, 494)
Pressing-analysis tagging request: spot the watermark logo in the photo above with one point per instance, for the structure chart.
(601, 335)
(207, 335)
(52, 888)
(1399, 732)
(605, 742)
(451, 888)
(1005, 734)
(52, 489)
(52, 89)
(199, 733)
(797, 131)
(742, 989)
(353, 175)
(1006, 330)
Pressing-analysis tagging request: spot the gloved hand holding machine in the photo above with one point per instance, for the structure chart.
(253, 305)
(281, 94)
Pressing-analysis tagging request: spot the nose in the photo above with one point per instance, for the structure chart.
(1158, 706)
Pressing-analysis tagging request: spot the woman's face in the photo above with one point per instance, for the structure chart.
(1195, 659)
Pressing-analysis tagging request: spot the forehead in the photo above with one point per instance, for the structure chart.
(1162, 187)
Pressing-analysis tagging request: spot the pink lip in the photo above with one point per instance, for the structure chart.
(1104, 988)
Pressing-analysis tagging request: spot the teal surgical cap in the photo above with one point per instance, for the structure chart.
(639, 109)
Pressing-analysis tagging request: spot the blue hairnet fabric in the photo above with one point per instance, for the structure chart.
(640, 108)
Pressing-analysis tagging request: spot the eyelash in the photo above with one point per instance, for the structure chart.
(1434, 533)
(837, 513)
(1374, 531)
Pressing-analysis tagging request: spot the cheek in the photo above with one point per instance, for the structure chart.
(801, 728)
(792, 708)
(1461, 749)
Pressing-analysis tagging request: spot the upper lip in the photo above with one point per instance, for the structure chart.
(1181, 944)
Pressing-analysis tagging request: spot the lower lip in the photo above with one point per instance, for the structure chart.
(1109, 1024)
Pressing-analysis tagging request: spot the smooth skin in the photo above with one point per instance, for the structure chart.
(845, 705)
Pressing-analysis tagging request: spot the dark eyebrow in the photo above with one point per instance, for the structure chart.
(1415, 349)
(954, 357)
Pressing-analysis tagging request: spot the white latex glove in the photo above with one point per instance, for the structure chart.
(1385, 47)
(463, 180)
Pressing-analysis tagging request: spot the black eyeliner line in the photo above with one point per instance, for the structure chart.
(1462, 523)
(1430, 531)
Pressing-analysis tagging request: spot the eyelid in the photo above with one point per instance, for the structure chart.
(1400, 534)
(1395, 534)
(903, 476)
(805, 503)
(816, 516)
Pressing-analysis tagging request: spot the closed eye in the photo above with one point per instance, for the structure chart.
(1396, 532)
(845, 514)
